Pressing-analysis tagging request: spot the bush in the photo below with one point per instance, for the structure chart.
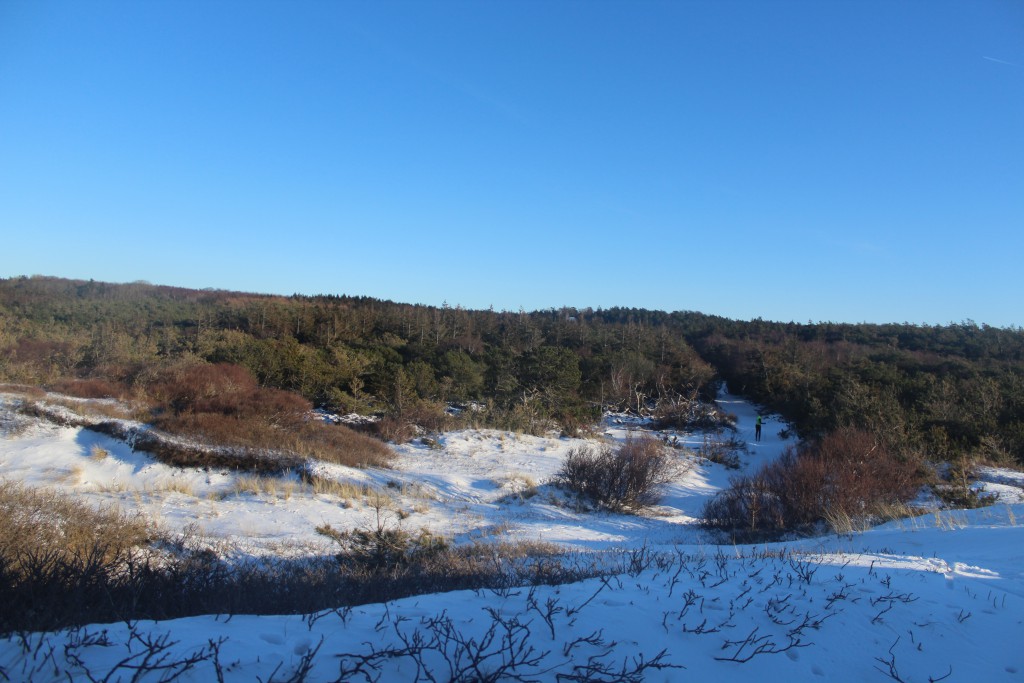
(691, 415)
(385, 547)
(627, 477)
(419, 416)
(227, 390)
(725, 452)
(88, 388)
(223, 404)
(56, 555)
(847, 474)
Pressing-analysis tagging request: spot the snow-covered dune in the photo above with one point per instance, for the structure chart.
(941, 595)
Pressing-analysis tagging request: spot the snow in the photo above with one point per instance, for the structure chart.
(915, 599)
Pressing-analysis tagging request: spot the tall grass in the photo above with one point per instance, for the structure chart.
(63, 564)
(48, 523)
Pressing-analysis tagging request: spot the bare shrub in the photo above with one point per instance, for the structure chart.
(89, 388)
(847, 475)
(420, 416)
(722, 451)
(626, 477)
(384, 546)
(691, 414)
(395, 429)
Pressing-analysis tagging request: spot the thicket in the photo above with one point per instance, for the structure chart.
(518, 370)
(846, 476)
(224, 404)
(210, 415)
(945, 392)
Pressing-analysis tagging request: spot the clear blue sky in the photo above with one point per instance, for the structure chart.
(844, 161)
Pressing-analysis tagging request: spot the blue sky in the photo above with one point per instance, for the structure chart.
(844, 161)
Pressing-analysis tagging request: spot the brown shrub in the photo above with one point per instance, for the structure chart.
(26, 390)
(394, 429)
(341, 445)
(629, 476)
(848, 473)
(217, 388)
(422, 415)
(223, 404)
(88, 388)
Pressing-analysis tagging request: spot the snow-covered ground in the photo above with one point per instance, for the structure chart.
(913, 600)
(463, 485)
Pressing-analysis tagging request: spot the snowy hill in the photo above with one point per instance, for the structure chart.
(937, 597)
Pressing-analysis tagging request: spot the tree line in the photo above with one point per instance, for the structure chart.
(945, 391)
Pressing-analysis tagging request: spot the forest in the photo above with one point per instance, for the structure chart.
(943, 392)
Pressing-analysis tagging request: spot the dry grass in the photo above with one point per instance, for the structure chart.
(840, 522)
(266, 486)
(176, 485)
(63, 564)
(518, 487)
(25, 390)
(254, 484)
(516, 480)
(950, 520)
(322, 486)
(74, 475)
(341, 445)
(115, 486)
(111, 410)
(98, 453)
(44, 522)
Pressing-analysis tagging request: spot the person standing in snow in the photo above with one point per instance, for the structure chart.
(757, 429)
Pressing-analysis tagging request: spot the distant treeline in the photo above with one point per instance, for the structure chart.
(943, 391)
